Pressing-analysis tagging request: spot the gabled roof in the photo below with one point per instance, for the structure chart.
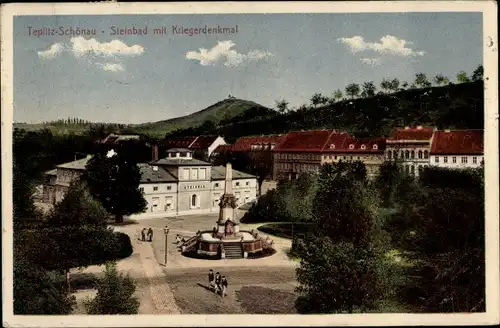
(181, 142)
(114, 138)
(219, 173)
(245, 143)
(351, 144)
(411, 133)
(150, 175)
(75, 165)
(203, 142)
(335, 142)
(222, 148)
(304, 141)
(458, 142)
(51, 172)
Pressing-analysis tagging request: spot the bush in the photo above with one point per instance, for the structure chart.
(284, 230)
(124, 246)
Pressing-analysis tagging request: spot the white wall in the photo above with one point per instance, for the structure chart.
(158, 196)
(448, 161)
(217, 142)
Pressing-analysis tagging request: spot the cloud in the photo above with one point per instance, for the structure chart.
(222, 53)
(388, 45)
(98, 53)
(53, 51)
(371, 61)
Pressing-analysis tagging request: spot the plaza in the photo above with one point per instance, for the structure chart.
(257, 286)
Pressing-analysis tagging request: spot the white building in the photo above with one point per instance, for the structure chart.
(457, 148)
(176, 185)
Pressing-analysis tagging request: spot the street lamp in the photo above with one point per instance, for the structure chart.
(166, 230)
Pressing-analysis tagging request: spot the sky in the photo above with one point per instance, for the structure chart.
(111, 77)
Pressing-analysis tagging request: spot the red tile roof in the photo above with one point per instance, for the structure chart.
(222, 148)
(352, 145)
(407, 133)
(304, 141)
(458, 142)
(203, 142)
(245, 143)
(181, 142)
(335, 141)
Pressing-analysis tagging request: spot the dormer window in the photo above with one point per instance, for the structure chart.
(375, 146)
(363, 147)
(351, 146)
(332, 146)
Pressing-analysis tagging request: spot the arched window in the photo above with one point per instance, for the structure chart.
(375, 147)
(389, 154)
(412, 154)
(412, 170)
(363, 147)
(193, 201)
(407, 169)
(426, 154)
(420, 154)
(395, 154)
(402, 154)
(351, 146)
(332, 146)
(407, 154)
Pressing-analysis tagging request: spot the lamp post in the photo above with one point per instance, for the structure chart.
(166, 230)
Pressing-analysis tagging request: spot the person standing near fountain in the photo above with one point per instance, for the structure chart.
(211, 279)
(217, 282)
(224, 286)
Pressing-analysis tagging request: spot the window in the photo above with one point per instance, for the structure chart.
(332, 146)
(343, 157)
(193, 201)
(359, 157)
(395, 154)
(363, 147)
(426, 154)
(155, 188)
(237, 184)
(412, 154)
(375, 146)
(407, 154)
(335, 157)
(464, 160)
(194, 174)
(436, 159)
(412, 170)
(141, 189)
(389, 154)
(216, 185)
(445, 159)
(203, 174)
(351, 146)
(247, 183)
(420, 154)
(454, 159)
(156, 200)
(474, 160)
(185, 174)
(169, 187)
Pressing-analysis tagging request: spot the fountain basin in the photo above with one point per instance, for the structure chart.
(209, 246)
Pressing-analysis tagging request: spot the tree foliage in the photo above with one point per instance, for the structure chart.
(462, 77)
(352, 90)
(115, 294)
(114, 181)
(368, 90)
(477, 75)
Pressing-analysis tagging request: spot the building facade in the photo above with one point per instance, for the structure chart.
(342, 147)
(457, 149)
(203, 146)
(176, 185)
(411, 147)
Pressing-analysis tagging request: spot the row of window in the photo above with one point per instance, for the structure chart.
(216, 185)
(407, 154)
(194, 174)
(298, 156)
(335, 157)
(297, 166)
(262, 146)
(351, 146)
(464, 159)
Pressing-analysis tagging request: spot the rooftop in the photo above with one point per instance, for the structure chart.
(352, 145)
(150, 174)
(419, 133)
(222, 148)
(180, 162)
(304, 141)
(203, 142)
(246, 143)
(76, 165)
(219, 173)
(457, 142)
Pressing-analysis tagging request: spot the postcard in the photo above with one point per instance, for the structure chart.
(250, 164)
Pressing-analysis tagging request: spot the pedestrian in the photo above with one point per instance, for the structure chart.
(211, 279)
(217, 282)
(150, 234)
(143, 234)
(224, 286)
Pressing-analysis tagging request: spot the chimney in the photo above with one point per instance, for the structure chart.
(419, 127)
(155, 153)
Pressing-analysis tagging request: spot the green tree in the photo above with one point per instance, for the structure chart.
(440, 79)
(36, 292)
(282, 106)
(316, 99)
(368, 90)
(25, 211)
(385, 85)
(394, 85)
(477, 75)
(338, 95)
(421, 80)
(352, 90)
(462, 77)
(115, 294)
(114, 181)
